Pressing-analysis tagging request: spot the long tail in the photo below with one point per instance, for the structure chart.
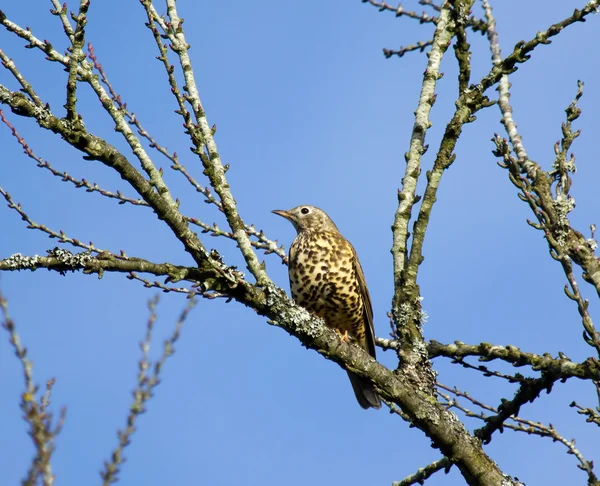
(365, 392)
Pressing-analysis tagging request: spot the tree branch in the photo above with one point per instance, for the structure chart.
(42, 429)
(146, 383)
(203, 140)
(561, 368)
(425, 473)
(98, 149)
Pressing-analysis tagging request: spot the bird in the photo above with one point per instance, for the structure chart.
(326, 278)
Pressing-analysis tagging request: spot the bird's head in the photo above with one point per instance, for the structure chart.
(307, 218)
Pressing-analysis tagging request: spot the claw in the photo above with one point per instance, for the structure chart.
(344, 337)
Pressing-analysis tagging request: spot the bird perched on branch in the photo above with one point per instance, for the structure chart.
(326, 278)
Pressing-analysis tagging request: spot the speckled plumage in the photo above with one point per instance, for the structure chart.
(326, 278)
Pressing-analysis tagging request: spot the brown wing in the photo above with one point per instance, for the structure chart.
(367, 306)
(363, 388)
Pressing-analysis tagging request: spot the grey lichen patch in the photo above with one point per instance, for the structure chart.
(230, 272)
(404, 314)
(407, 314)
(290, 316)
(563, 205)
(74, 125)
(20, 262)
(70, 260)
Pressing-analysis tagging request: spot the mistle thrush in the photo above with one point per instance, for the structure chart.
(326, 279)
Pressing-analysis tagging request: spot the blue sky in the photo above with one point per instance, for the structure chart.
(308, 111)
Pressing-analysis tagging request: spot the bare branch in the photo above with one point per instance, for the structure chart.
(85, 72)
(560, 367)
(98, 149)
(423, 18)
(61, 12)
(146, 383)
(263, 242)
(425, 473)
(406, 196)
(77, 56)
(462, 49)
(59, 235)
(551, 212)
(523, 425)
(9, 64)
(42, 429)
(527, 392)
(400, 11)
(61, 260)
(202, 137)
(406, 303)
(133, 120)
(419, 46)
(593, 416)
(429, 3)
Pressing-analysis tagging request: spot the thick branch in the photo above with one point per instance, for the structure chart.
(62, 261)
(406, 303)
(440, 425)
(561, 367)
(406, 196)
(527, 392)
(98, 149)
(427, 414)
(76, 58)
(202, 137)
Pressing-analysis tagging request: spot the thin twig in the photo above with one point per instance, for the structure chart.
(419, 46)
(520, 425)
(201, 134)
(147, 379)
(425, 473)
(9, 64)
(474, 23)
(59, 235)
(42, 430)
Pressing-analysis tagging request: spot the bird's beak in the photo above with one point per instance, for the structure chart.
(284, 214)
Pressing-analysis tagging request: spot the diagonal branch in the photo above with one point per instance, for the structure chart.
(407, 195)
(202, 137)
(425, 473)
(146, 383)
(527, 392)
(566, 244)
(62, 261)
(61, 12)
(446, 432)
(85, 73)
(522, 425)
(42, 429)
(76, 58)
(97, 148)
(263, 242)
(419, 46)
(26, 87)
(59, 235)
(406, 303)
(562, 367)
(423, 18)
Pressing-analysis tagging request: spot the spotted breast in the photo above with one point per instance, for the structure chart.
(326, 278)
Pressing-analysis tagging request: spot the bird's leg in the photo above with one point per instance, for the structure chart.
(344, 337)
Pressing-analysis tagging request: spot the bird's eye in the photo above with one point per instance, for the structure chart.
(305, 210)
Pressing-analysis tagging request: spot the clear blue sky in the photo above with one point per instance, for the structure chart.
(308, 111)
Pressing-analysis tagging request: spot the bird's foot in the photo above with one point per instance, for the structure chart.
(344, 337)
